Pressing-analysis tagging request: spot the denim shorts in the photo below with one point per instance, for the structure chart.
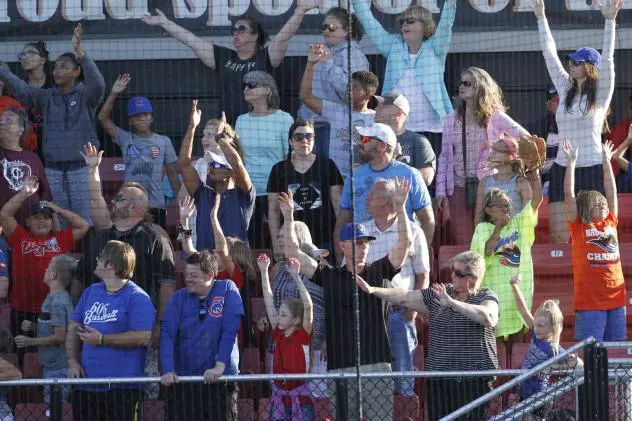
(603, 325)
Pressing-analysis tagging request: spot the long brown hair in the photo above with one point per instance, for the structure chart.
(589, 88)
(489, 96)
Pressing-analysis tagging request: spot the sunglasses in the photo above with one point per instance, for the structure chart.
(460, 274)
(202, 310)
(465, 83)
(329, 27)
(250, 85)
(367, 139)
(575, 63)
(241, 29)
(27, 54)
(408, 21)
(299, 137)
(217, 165)
(119, 198)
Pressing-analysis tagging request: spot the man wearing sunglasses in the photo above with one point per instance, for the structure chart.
(249, 52)
(378, 150)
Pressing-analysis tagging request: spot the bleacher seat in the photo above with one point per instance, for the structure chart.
(250, 360)
(245, 410)
(552, 263)
(154, 410)
(37, 412)
(625, 217)
(405, 408)
(32, 367)
(443, 265)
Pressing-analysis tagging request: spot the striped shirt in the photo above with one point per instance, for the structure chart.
(456, 342)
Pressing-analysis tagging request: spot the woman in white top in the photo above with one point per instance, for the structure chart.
(585, 92)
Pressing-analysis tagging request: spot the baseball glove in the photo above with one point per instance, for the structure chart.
(532, 151)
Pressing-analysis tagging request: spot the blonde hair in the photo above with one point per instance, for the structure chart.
(242, 256)
(474, 264)
(424, 16)
(551, 310)
(230, 133)
(588, 88)
(495, 198)
(587, 199)
(517, 164)
(489, 96)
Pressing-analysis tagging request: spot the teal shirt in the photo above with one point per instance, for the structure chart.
(430, 63)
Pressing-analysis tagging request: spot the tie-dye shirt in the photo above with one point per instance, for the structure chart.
(512, 256)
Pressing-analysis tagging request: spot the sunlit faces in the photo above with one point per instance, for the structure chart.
(303, 140)
(333, 31)
(286, 319)
(255, 92)
(576, 69)
(370, 150)
(467, 88)
(141, 122)
(498, 211)
(598, 211)
(195, 280)
(361, 250)
(10, 127)
(65, 70)
(386, 113)
(553, 103)
(40, 225)
(243, 34)
(463, 279)
(377, 199)
(542, 327)
(30, 58)
(218, 172)
(412, 29)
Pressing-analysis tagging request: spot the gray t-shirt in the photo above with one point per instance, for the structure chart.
(56, 310)
(145, 158)
(416, 150)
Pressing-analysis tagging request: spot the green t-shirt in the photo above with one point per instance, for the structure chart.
(512, 256)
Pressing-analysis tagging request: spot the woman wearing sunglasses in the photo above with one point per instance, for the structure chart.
(315, 182)
(249, 51)
(468, 135)
(331, 76)
(415, 63)
(585, 93)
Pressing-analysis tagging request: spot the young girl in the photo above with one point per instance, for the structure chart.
(7, 372)
(53, 321)
(599, 288)
(546, 328)
(506, 241)
(292, 328)
(509, 177)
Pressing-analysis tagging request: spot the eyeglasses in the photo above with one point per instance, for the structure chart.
(409, 21)
(575, 63)
(329, 27)
(466, 83)
(202, 310)
(27, 54)
(240, 29)
(119, 198)
(299, 137)
(460, 274)
(250, 85)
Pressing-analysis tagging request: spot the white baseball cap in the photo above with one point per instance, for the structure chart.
(398, 100)
(218, 158)
(380, 131)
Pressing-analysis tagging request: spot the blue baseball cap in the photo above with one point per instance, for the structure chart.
(357, 231)
(138, 105)
(586, 55)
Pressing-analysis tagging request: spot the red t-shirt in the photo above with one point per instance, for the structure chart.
(597, 275)
(30, 257)
(237, 277)
(291, 356)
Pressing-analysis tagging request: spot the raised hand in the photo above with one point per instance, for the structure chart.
(196, 114)
(91, 155)
(400, 195)
(222, 124)
(76, 40)
(570, 152)
(515, 280)
(363, 285)
(121, 83)
(443, 298)
(316, 52)
(293, 266)
(187, 207)
(538, 8)
(263, 261)
(30, 185)
(286, 203)
(158, 20)
(306, 5)
(608, 150)
(610, 8)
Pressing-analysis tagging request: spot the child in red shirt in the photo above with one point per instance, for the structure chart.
(292, 328)
(599, 288)
(33, 248)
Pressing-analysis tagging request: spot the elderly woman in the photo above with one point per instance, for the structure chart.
(462, 321)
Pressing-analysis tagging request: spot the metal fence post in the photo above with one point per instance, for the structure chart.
(593, 396)
(56, 404)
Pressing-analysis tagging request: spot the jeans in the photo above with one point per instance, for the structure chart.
(70, 191)
(59, 373)
(402, 336)
(307, 412)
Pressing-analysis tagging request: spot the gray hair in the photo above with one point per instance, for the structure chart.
(389, 186)
(474, 264)
(265, 80)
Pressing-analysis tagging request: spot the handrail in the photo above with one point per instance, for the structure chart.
(510, 384)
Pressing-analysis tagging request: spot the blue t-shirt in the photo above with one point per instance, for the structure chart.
(539, 351)
(191, 341)
(363, 179)
(5, 257)
(234, 214)
(128, 309)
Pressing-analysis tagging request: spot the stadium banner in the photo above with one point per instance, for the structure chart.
(51, 19)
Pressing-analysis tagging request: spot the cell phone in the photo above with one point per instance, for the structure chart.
(81, 329)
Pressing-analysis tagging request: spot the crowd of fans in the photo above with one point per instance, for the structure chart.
(262, 168)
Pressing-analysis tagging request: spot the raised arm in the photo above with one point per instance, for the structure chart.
(221, 246)
(240, 175)
(605, 85)
(535, 185)
(292, 249)
(399, 252)
(317, 53)
(336, 77)
(274, 222)
(189, 175)
(400, 297)
(99, 208)
(569, 181)
(278, 46)
(619, 153)
(187, 207)
(557, 73)
(443, 35)
(520, 301)
(204, 50)
(609, 183)
(92, 77)
(7, 213)
(79, 225)
(293, 268)
(380, 37)
(263, 261)
(106, 110)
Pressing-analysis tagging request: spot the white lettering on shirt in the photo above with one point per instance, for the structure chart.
(15, 172)
(99, 313)
(40, 248)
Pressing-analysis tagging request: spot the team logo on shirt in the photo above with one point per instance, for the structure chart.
(14, 173)
(39, 248)
(508, 251)
(217, 307)
(155, 152)
(99, 312)
(608, 243)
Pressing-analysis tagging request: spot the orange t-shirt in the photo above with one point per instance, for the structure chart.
(598, 278)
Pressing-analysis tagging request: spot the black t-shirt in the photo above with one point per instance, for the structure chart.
(340, 319)
(312, 203)
(154, 256)
(231, 71)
